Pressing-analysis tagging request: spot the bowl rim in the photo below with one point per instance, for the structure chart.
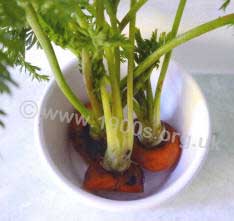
(115, 205)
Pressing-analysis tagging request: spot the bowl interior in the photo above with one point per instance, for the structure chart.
(183, 106)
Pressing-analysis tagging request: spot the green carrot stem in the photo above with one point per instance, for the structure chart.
(156, 119)
(111, 12)
(114, 22)
(87, 73)
(116, 97)
(116, 157)
(110, 133)
(150, 99)
(117, 64)
(32, 20)
(140, 82)
(131, 14)
(131, 65)
(117, 110)
(138, 85)
(100, 12)
(138, 110)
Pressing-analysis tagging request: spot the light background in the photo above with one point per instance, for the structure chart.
(27, 191)
(212, 53)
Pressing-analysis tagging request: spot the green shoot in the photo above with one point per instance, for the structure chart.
(87, 72)
(100, 13)
(114, 146)
(134, 9)
(156, 119)
(120, 145)
(225, 5)
(33, 21)
(131, 66)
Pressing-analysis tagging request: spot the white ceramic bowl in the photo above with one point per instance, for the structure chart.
(183, 106)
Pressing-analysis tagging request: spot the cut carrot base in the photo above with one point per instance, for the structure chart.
(98, 179)
(78, 135)
(160, 158)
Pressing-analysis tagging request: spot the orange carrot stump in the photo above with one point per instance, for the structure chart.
(132, 181)
(159, 158)
(98, 179)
